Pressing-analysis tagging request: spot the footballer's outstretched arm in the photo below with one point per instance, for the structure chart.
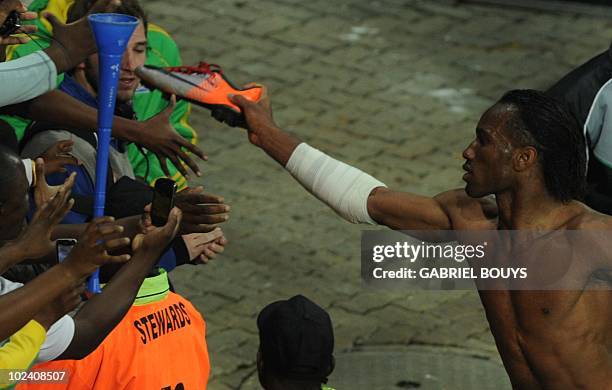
(350, 192)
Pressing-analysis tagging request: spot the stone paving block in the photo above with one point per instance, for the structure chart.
(211, 48)
(342, 9)
(453, 11)
(251, 306)
(398, 314)
(216, 384)
(234, 11)
(486, 348)
(251, 383)
(351, 329)
(245, 55)
(236, 379)
(267, 8)
(445, 334)
(272, 24)
(181, 12)
(430, 26)
(427, 300)
(227, 339)
(221, 320)
(224, 371)
(423, 367)
(392, 335)
(291, 55)
(364, 303)
(307, 37)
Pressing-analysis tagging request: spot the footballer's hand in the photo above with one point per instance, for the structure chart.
(258, 115)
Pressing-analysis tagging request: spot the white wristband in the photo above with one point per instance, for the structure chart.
(342, 187)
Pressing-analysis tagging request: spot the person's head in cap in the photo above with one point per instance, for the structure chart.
(296, 345)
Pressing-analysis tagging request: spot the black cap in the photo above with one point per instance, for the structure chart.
(296, 339)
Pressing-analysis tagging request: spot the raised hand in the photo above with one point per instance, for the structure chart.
(157, 239)
(262, 130)
(94, 245)
(102, 313)
(201, 211)
(6, 8)
(43, 192)
(73, 42)
(57, 156)
(157, 135)
(36, 239)
(258, 115)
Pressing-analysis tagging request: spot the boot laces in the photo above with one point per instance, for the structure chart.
(202, 68)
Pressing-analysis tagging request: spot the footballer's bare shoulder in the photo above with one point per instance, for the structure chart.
(468, 213)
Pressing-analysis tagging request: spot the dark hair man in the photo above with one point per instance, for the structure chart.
(296, 345)
(529, 154)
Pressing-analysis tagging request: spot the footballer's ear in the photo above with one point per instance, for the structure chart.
(524, 158)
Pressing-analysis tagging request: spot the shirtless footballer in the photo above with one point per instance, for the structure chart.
(528, 153)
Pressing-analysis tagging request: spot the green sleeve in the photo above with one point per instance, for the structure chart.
(162, 51)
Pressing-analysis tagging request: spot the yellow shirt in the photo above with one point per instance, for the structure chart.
(21, 349)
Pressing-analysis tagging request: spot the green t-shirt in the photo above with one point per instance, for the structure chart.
(161, 51)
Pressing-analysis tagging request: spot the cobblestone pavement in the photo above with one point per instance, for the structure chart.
(393, 87)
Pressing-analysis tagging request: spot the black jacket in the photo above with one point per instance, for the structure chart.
(587, 92)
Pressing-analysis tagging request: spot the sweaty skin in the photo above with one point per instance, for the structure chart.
(547, 339)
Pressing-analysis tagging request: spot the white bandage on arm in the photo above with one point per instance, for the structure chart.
(26, 78)
(342, 187)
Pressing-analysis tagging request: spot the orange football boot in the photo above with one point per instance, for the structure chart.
(204, 85)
